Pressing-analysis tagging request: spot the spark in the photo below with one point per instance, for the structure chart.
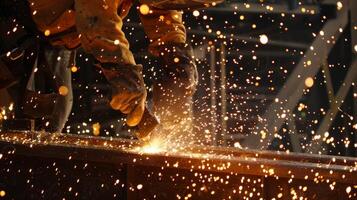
(348, 189)
(339, 5)
(96, 129)
(47, 32)
(139, 187)
(309, 82)
(263, 39)
(74, 69)
(144, 9)
(63, 90)
(196, 13)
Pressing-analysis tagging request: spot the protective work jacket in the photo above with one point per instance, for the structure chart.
(96, 25)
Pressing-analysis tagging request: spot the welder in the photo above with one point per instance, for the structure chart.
(96, 26)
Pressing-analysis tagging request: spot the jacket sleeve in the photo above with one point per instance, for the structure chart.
(163, 26)
(100, 27)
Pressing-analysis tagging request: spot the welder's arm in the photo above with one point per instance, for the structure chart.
(101, 32)
(167, 36)
(129, 92)
(178, 69)
(100, 27)
(176, 77)
(162, 27)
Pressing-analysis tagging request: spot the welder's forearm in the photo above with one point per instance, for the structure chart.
(100, 28)
(163, 26)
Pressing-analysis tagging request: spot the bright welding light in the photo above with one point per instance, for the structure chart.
(154, 146)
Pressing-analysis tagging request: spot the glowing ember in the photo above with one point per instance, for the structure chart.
(196, 13)
(339, 5)
(264, 39)
(74, 69)
(47, 33)
(348, 189)
(96, 129)
(144, 9)
(140, 186)
(309, 82)
(63, 90)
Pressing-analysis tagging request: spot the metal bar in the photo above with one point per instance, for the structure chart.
(103, 143)
(210, 159)
(279, 43)
(330, 2)
(315, 146)
(271, 53)
(355, 118)
(294, 136)
(353, 21)
(266, 8)
(213, 93)
(294, 87)
(329, 87)
(223, 89)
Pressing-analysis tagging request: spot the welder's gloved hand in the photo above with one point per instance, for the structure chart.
(129, 92)
(173, 92)
(178, 69)
(176, 83)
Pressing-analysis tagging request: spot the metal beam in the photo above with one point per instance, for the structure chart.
(223, 96)
(245, 38)
(294, 135)
(279, 43)
(216, 159)
(267, 9)
(294, 87)
(56, 166)
(355, 119)
(213, 94)
(328, 80)
(353, 18)
(316, 145)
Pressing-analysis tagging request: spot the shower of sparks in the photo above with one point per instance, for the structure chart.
(244, 60)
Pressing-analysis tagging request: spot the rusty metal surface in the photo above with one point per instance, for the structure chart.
(56, 166)
(204, 158)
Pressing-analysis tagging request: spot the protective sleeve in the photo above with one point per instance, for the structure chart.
(100, 27)
(163, 26)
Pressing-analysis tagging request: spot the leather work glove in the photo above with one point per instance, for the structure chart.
(173, 92)
(129, 92)
(178, 70)
(176, 82)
